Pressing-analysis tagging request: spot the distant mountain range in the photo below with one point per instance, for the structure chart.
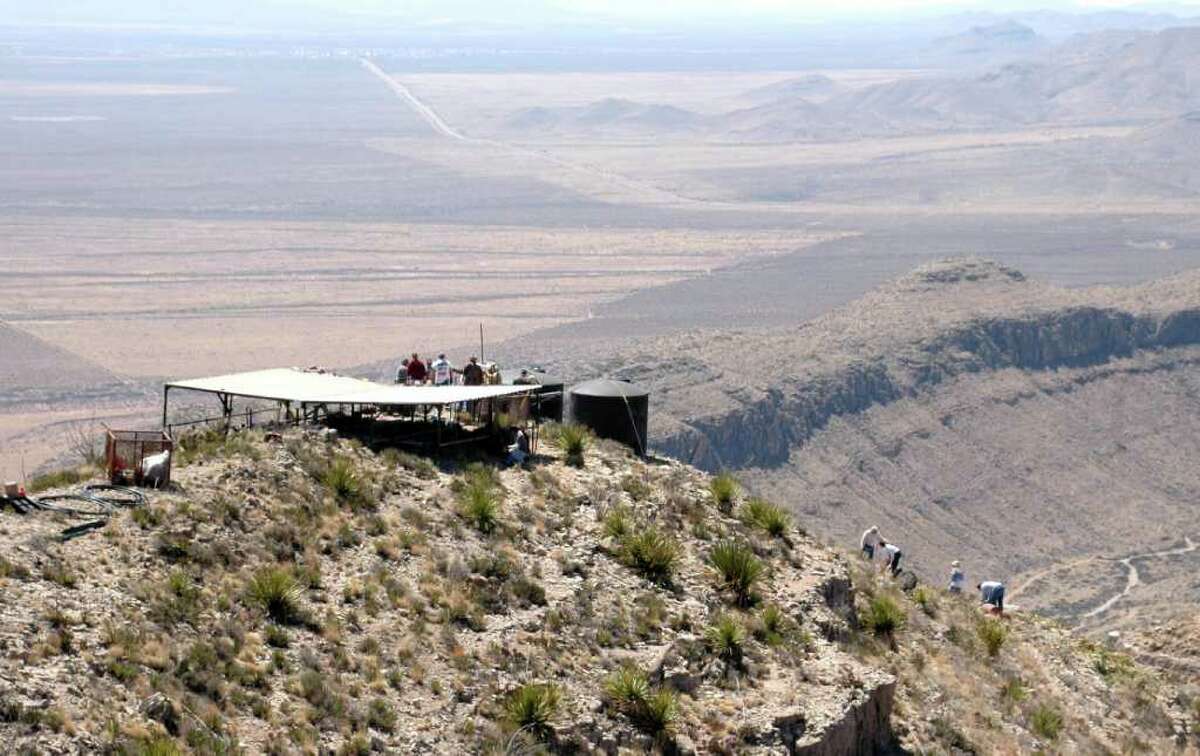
(1108, 78)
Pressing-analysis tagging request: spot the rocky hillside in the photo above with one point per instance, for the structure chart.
(1041, 435)
(302, 594)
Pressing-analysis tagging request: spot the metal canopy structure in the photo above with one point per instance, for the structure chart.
(315, 388)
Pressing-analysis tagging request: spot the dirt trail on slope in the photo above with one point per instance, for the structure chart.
(1134, 579)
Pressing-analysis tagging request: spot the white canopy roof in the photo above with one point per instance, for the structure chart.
(302, 386)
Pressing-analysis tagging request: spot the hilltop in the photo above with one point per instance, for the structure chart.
(303, 594)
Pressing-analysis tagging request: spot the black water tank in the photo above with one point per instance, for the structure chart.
(549, 398)
(613, 409)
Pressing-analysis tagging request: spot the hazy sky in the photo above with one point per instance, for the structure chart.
(304, 12)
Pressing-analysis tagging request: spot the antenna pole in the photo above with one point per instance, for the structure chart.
(481, 342)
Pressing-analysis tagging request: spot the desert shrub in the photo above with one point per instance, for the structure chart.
(772, 625)
(573, 440)
(766, 516)
(179, 601)
(58, 479)
(724, 488)
(277, 593)
(726, 639)
(1112, 666)
(414, 463)
(157, 745)
(1046, 721)
(884, 616)
(1013, 690)
(925, 598)
(992, 633)
(9, 569)
(381, 715)
(532, 706)
(356, 745)
(738, 568)
(617, 523)
(60, 573)
(638, 489)
(651, 553)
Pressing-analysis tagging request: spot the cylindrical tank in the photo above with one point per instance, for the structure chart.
(613, 409)
(549, 399)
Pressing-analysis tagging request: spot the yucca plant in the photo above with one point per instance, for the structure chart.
(766, 516)
(724, 488)
(726, 639)
(1046, 721)
(659, 711)
(531, 708)
(627, 688)
(738, 569)
(573, 440)
(651, 553)
(277, 593)
(481, 507)
(342, 479)
(617, 523)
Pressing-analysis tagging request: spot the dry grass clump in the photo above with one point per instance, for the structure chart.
(738, 569)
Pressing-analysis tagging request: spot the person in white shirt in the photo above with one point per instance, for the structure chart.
(892, 554)
(443, 373)
(957, 578)
(870, 540)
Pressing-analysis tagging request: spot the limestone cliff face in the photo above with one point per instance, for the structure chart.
(761, 430)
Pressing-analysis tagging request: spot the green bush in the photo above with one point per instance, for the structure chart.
(1013, 690)
(992, 633)
(1046, 721)
(277, 593)
(532, 706)
(884, 616)
(415, 464)
(651, 553)
(724, 488)
(628, 690)
(573, 440)
(738, 568)
(1112, 666)
(766, 516)
(726, 639)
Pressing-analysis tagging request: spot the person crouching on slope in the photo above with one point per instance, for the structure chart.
(870, 540)
(892, 554)
(991, 593)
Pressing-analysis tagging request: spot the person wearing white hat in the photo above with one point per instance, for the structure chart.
(957, 578)
(869, 542)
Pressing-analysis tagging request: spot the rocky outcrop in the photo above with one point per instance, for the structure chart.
(864, 728)
(762, 430)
